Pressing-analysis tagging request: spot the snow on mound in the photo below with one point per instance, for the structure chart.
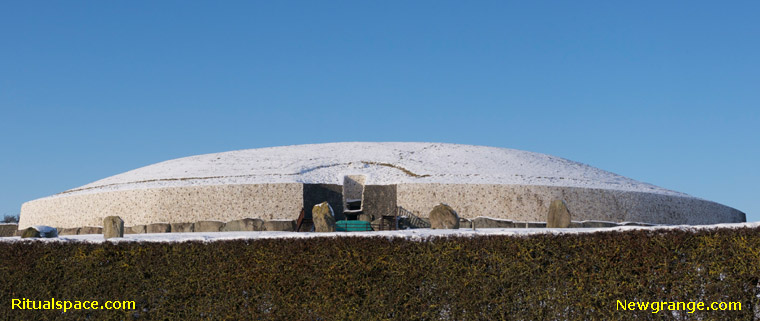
(382, 163)
(415, 234)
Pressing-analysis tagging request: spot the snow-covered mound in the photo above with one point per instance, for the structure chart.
(382, 163)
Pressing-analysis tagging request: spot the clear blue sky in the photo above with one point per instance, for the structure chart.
(664, 92)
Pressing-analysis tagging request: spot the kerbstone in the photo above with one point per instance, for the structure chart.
(113, 226)
(91, 230)
(7, 230)
(182, 227)
(246, 224)
(209, 226)
(599, 224)
(137, 229)
(485, 222)
(280, 225)
(39, 231)
(69, 231)
(159, 228)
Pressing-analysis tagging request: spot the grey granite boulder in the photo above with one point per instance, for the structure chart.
(209, 226)
(113, 226)
(246, 224)
(158, 228)
(559, 215)
(443, 217)
(182, 227)
(323, 217)
(280, 225)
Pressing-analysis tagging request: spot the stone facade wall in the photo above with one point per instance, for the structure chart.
(531, 203)
(284, 201)
(379, 200)
(168, 205)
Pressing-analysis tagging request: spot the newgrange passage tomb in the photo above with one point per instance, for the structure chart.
(371, 178)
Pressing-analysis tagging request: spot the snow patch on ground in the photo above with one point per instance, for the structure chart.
(415, 234)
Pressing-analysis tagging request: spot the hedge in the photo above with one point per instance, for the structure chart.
(539, 277)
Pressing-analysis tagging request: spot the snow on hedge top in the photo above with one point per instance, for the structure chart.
(382, 163)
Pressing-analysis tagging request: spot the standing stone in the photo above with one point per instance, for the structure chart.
(159, 228)
(559, 215)
(323, 217)
(113, 226)
(443, 217)
(209, 226)
(246, 224)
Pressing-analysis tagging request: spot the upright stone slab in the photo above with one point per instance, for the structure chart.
(443, 217)
(323, 217)
(559, 215)
(159, 228)
(209, 226)
(246, 224)
(113, 226)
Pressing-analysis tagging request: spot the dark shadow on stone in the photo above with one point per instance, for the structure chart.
(314, 194)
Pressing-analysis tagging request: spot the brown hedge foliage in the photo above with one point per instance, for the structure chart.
(541, 277)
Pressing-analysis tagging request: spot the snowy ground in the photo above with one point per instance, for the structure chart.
(416, 234)
(382, 163)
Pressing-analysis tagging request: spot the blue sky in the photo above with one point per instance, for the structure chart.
(663, 92)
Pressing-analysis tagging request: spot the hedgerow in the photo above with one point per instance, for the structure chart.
(539, 277)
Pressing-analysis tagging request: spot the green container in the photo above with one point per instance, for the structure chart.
(352, 226)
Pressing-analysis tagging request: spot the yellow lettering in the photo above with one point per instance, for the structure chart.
(66, 306)
(77, 305)
(621, 305)
(15, 303)
(656, 307)
(692, 307)
(643, 306)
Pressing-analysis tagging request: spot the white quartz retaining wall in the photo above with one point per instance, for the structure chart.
(167, 205)
(531, 203)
